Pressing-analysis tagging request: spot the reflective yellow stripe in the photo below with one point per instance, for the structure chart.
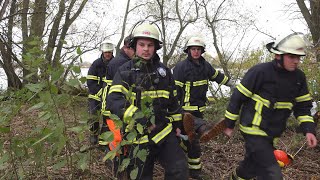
(215, 75)
(306, 97)
(178, 83)
(162, 133)
(231, 116)
(106, 113)
(184, 147)
(244, 90)
(143, 139)
(97, 98)
(156, 94)
(92, 77)
(200, 83)
(283, 105)
(187, 92)
(194, 160)
(258, 98)
(225, 79)
(118, 88)
(104, 99)
(129, 113)
(190, 108)
(197, 166)
(257, 116)
(176, 117)
(203, 108)
(306, 118)
(252, 130)
(175, 93)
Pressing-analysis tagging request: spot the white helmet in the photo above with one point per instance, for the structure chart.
(292, 44)
(147, 30)
(194, 41)
(106, 46)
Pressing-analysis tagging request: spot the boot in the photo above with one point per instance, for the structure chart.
(209, 131)
(188, 125)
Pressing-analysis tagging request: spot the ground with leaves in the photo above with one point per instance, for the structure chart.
(220, 156)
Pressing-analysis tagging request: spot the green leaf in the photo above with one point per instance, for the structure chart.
(73, 82)
(124, 164)
(79, 50)
(138, 115)
(35, 87)
(42, 139)
(114, 117)
(56, 74)
(134, 173)
(76, 129)
(4, 129)
(4, 158)
(153, 120)
(83, 162)
(107, 136)
(54, 89)
(76, 69)
(140, 128)
(110, 155)
(44, 115)
(37, 106)
(135, 151)
(142, 154)
(131, 136)
(83, 80)
(60, 164)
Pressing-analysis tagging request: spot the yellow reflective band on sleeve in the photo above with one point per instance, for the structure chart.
(119, 89)
(187, 92)
(306, 118)
(156, 94)
(197, 166)
(244, 90)
(129, 112)
(176, 117)
(202, 109)
(283, 105)
(178, 83)
(92, 77)
(97, 98)
(215, 74)
(184, 147)
(200, 83)
(194, 160)
(104, 79)
(170, 119)
(109, 82)
(106, 113)
(190, 108)
(306, 97)
(225, 79)
(99, 93)
(104, 99)
(252, 130)
(231, 116)
(162, 133)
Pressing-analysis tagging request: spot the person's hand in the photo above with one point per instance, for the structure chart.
(178, 132)
(311, 140)
(228, 132)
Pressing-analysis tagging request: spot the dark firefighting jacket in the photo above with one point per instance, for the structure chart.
(134, 83)
(192, 81)
(111, 71)
(266, 97)
(96, 78)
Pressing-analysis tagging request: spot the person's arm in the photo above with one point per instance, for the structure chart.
(179, 81)
(93, 79)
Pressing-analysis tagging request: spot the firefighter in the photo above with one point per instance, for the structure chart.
(125, 55)
(266, 96)
(95, 80)
(191, 78)
(142, 85)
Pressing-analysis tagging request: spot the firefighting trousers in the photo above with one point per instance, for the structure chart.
(94, 110)
(259, 160)
(193, 148)
(170, 156)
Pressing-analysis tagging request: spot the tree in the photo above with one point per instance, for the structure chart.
(311, 14)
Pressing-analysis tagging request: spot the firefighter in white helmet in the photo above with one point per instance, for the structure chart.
(267, 95)
(95, 82)
(192, 78)
(142, 95)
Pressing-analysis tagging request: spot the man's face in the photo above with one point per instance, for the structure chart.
(107, 55)
(195, 52)
(145, 48)
(290, 61)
